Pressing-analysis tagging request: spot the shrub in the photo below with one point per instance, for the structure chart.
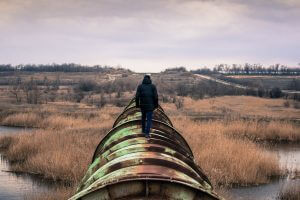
(296, 105)
(86, 85)
(292, 193)
(286, 104)
(275, 93)
(179, 103)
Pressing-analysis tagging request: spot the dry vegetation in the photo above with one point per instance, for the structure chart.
(245, 106)
(227, 160)
(57, 194)
(274, 131)
(243, 117)
(61, 151)
(22, 120)
(62, 148)
(292, 193)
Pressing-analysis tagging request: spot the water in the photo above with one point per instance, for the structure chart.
(4, 130)
(289, 160)
(263, 192)
(13, 186)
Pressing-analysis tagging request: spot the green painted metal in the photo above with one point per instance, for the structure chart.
(126, 165)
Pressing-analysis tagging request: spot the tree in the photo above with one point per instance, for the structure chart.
(86, 85)
(102, 101)
(179, 103)
(119, 94)
(295, 84)
(182, 89)
(275, 92)
(32, 92)
(16, 91)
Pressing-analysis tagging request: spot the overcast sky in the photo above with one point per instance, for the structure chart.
(150, 35)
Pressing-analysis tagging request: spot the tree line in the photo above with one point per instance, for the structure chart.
(66, 67)
(252, 69)
(235, 69)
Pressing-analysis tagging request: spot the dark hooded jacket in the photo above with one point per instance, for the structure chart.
(146, 96)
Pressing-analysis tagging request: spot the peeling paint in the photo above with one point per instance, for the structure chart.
(126, 165)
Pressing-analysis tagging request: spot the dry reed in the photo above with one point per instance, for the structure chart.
(22, 119)
(227, 160)
(242, 106)
(60, 152)
(63, 149)
(274, 131)
(54, 194)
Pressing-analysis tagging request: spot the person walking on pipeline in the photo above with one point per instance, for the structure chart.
(146, 98)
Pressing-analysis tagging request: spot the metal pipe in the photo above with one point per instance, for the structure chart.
(126, 165)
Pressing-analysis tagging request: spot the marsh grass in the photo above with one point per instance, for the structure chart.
(227, 160)
(61, 151)
(256, 119)
(242, 106)
(273, 132)
(22, 120)
(56, 155)
(227, 151)
(292, 193)
(55, 194)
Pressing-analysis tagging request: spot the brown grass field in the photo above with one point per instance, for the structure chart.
(229, 149)
(242, 106)
(227, 160)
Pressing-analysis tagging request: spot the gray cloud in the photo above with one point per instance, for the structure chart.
(141, 34)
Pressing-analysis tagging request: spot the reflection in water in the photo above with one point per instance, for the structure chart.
(4, 130)
(263, 192)
(289, 159)
(15, 187)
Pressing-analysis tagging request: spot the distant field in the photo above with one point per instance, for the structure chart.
(282, 82)
(65, 78)
(242, 106)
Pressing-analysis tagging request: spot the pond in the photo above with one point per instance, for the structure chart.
(14, 186)
(4, 130)
(289, 160)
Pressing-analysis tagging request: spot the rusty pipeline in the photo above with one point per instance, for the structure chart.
(126, 165)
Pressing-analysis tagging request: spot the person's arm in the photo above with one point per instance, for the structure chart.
(155, 96)
(137, 97)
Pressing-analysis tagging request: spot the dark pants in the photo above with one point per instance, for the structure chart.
(146, 115)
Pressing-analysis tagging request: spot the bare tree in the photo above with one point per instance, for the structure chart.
(16, 92)
(16, 89)
(179, 103)
(102, 101)
(32, 92)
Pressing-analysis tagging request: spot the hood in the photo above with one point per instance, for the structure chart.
(147, 80)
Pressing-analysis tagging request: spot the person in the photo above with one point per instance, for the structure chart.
(146, 99)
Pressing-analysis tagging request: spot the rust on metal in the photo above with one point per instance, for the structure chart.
(126, 165)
